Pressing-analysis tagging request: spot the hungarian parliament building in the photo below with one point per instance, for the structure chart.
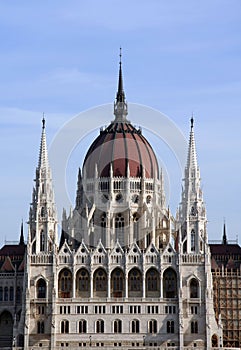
(126, 273)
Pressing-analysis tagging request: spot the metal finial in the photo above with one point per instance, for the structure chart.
(43, 121)
(120, 54)
(192, 121)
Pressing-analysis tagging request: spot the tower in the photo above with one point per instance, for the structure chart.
(196, 311)
(41, 251)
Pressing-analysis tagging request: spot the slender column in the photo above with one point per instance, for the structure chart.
(91, 284)
(109, 284)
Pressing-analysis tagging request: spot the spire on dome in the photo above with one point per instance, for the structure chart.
(120, 106)
(43, 153)
(192, 156)
(120, 96)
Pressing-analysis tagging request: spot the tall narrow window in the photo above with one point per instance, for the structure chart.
(119, 228)
(152, 283)
(5, 293)
(40, 327)
(82, 326)
(1, 293)
(64, 326)
(42, 241)
(100, 283)
(194, 288)
(135, 326)
(83, 283)
(135, 283)
(117, 326)
(100, 326)
(193, 241)
(170, 326)
(11, 294)
(152, 326)
(117, 283)
(41, 288)
(136, 218)
(169, 284)
(194, 327)
(65, 284)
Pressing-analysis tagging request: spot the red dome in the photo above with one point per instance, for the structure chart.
(121, 144)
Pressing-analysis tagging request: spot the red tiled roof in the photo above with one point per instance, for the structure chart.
(225, 249)
(13, 250)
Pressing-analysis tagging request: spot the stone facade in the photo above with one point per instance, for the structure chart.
(126, 274)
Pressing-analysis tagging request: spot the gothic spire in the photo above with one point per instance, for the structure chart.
(224, 241)
(120, 106)
(192, 156)
(43, 215)
(43, 153)
(21, 241)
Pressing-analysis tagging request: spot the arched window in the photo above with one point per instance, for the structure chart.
(100, 326)
(194, 288)
(83, 283)
(41, 288)
(5, 293)
(152, 283)
(64, 326)
(135, 283)
(82, 326)
(117, 283)
(169, 283)
(117, 326)
(40, 327)
(152, 326)
(135, 326)
(100, 283)
(194, 327)
(65, 284)
(170, 326)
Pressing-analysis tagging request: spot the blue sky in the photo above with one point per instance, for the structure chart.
(179, 57)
